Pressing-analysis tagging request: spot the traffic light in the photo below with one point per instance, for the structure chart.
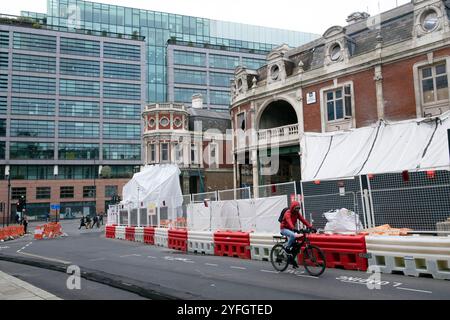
(21, 204)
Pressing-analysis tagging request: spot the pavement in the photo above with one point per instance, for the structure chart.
(161, 273)
(12, 288)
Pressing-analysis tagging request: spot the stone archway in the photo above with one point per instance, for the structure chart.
(276, 114)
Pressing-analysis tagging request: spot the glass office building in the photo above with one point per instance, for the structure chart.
(70, 106)
(160, 28)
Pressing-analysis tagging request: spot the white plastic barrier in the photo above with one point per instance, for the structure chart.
(162, 237)
(414, 256)
(201, 242)
(139, 234)
(120, 232)
(261, 244)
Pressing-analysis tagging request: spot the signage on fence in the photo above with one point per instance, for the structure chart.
(152, 209)
(55, 207)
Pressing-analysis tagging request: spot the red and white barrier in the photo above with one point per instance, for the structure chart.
(201, 242)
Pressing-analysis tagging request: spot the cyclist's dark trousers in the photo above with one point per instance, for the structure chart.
(291, 236)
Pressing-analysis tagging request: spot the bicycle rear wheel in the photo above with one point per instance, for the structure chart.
(279, 258)
(314, 260)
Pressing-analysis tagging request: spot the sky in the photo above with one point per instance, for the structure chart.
(299, 15)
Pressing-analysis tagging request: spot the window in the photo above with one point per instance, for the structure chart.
(2, 150)
(4, 62)
(2, 127)
(152, 153)
(178, 153)
(335, 52)
(122, 152)
(17, 193)
(28, 63)
(80, 47)
(34, 42)
(122, 71)
(122, 51)
(122, 91)
(220, 79)
(339, 103)
(121, 111)
(3, 105)
(241, 121)
(32, 172)
(223, 62)
(27, 106)
(185, 95)
(434, 83)
(35, 85)
(189, 58)
(79, 130)
(71, 151)
(89, 192)
(79, 88)
(194, 157)
(164, 152)
(4, 39)
(43, 193)
(78, 172)
(31, 151)
(110, 191)
(430, 20)
(66, 192)
(221, 98)
(83, 68)
(82, 109)
(3, 83)
(32, 128)
(252, 63)
(121, 131)
(214, 155)
(190, 77)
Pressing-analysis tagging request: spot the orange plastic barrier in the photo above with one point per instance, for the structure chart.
(48, 231)
(11, 232)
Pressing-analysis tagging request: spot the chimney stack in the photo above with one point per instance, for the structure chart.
(197, 101)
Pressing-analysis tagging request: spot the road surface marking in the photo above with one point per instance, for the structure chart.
(269, 271)
(363, 283)
(44, 258)
(305, 276)
(98, 259)
(211, 265)
(415, 290)
(238, 268)
(130, 255)
(150, 257)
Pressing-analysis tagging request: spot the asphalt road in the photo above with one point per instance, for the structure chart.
(208, 277)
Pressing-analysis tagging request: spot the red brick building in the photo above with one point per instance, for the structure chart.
(393, 66)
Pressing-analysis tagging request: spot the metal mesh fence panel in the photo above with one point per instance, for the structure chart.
(321, 197)
(413, 200)
(282, 189)
(235, 194)
(143, 217)
(133, 218)
(123, 217)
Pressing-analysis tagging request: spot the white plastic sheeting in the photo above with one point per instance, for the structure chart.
(158, 184)
(258, 215)
(384, 147)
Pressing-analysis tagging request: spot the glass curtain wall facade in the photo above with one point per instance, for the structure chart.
(70, 105)
(159, 28)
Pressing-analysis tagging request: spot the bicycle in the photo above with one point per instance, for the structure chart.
(313, 257)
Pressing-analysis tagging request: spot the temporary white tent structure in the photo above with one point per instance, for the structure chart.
(158, 184)
(384, 147)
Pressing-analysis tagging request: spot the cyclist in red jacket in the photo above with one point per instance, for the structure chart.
(287, 227)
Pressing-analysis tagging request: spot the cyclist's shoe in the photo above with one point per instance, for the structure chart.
(294, 264)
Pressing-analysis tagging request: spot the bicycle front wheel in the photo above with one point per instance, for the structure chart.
(314, 261)
(279, 258)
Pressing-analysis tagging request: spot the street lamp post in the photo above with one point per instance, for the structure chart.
(8, 202)
(55, 174)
